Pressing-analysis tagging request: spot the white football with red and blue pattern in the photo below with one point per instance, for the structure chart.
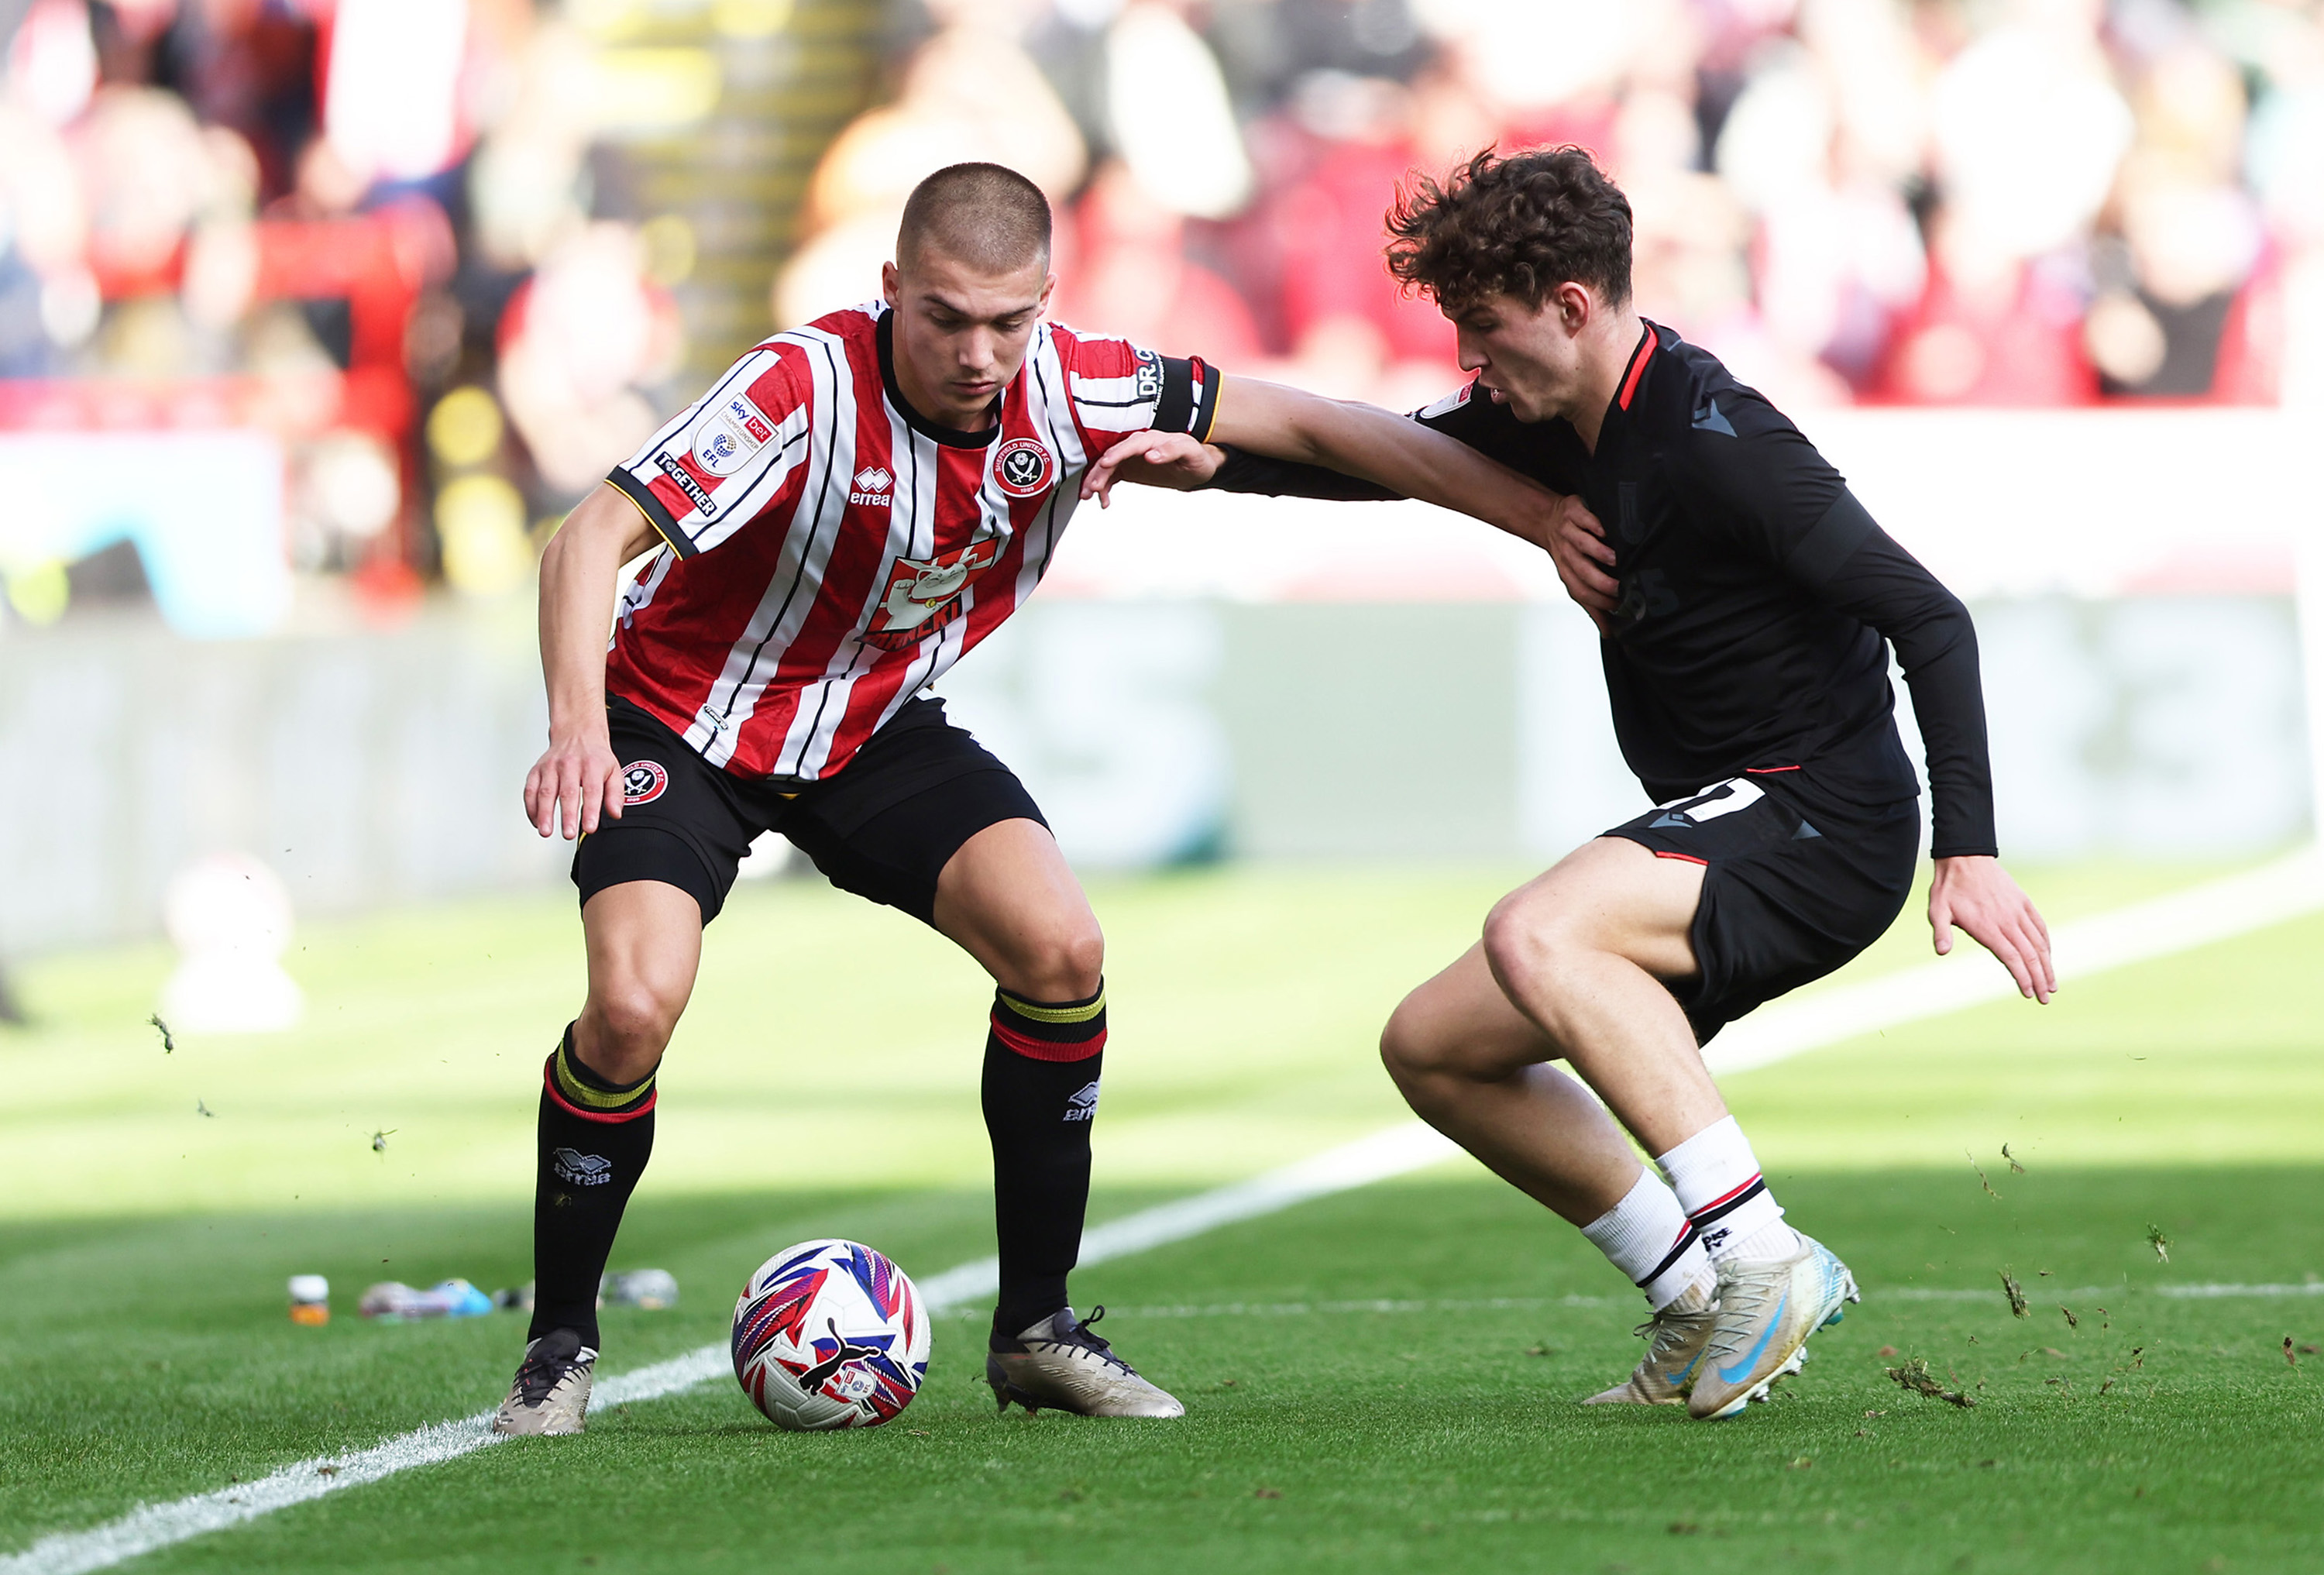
(830, 1334)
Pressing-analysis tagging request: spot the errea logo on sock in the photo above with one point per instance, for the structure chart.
(1082, 1106)
(582, 1170)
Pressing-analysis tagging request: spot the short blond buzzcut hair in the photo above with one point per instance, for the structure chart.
(987, 216)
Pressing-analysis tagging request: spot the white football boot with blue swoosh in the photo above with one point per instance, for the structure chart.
(1768, 1308)
(1675, 1342)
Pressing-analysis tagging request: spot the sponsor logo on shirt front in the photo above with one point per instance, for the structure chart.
(1023, 468)
(923, 593)
(696, 492)
(874, 488)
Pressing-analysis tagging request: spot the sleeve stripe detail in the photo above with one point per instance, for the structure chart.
(1207, 382)
(1831, 541)
(641, 497)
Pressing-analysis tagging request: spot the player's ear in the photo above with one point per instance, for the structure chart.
(891, 285)
(1575, 307)
(1048, 289)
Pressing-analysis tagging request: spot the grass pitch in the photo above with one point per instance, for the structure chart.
(1379, 1381)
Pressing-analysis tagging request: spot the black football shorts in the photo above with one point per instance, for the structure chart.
(1792, 886)
(883, 826)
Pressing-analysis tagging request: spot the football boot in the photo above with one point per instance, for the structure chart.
(551, 1391)
(1675, 1344)
(1059, 1364)
(1768, 1308)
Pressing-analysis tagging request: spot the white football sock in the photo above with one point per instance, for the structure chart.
(1718, 1181)
(1648, 1236)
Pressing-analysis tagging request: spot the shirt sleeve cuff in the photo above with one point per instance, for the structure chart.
(657, 516)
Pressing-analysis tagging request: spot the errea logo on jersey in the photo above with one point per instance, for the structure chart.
(874, 488)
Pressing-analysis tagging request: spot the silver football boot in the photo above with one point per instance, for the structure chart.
(551, 1391)
(1059, 1364)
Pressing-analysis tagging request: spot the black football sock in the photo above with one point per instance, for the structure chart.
(1042, 1062)
(596, 1137)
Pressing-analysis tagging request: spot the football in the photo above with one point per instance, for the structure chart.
(830, 1334)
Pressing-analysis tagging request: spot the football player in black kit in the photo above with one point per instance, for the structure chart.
(1747, 603)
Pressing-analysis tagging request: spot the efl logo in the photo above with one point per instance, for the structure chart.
(1023, 467)
(643, 781)
(874, 488)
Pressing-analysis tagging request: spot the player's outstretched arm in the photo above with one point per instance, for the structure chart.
(578, 776)
(1975, 893)
(1405, 456)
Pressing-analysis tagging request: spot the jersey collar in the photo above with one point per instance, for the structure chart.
(950, 437)
(1634, 378)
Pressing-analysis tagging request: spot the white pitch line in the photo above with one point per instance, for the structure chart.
(2218, 910)
(1377, 1157)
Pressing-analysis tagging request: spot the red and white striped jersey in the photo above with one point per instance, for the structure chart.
(831, 552)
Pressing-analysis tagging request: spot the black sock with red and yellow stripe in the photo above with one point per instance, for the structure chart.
(596, 1137)
(1042, 1063)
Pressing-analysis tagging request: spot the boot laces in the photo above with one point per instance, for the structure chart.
(1079, 1339)
(538, 1375)
(1667, 1330)
(1747, 1296)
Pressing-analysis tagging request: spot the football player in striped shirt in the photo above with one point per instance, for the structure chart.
(1747, 603)
(836, 522)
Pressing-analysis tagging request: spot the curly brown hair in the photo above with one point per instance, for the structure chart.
(1519, 226)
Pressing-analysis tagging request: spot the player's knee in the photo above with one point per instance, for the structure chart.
(1411, 1047)
(1528, 937)
(1066, 964)
(634, 1021)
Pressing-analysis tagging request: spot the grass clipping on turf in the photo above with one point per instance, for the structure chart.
(1916, 1376)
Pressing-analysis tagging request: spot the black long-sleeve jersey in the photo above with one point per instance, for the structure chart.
(1756, 594)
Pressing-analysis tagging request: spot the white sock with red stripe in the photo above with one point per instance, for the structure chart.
(1648, 1237)
(1718, 1181)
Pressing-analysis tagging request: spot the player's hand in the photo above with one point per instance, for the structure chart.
(1154, 459)
(580, 778)
(1976, 894)
(1578, 547)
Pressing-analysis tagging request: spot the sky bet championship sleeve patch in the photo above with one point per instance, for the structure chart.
(724, 461)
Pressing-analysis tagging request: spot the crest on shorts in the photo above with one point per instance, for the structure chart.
(1023, 467)
(642, 781)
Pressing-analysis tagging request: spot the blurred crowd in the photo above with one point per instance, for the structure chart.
(396, 233)
(1996, 202)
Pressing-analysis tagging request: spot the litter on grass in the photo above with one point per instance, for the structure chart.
(2071, 1322)
(2015, 1293)
(167, 1044)
(2014, 1168)
(1916, 1376)
(310, 1300)
(650, 1288)
(2291, 1356)
(2160, 1242)
(394, 1301)
(379, 1139)
(1988, 1185)
(202, 1109)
